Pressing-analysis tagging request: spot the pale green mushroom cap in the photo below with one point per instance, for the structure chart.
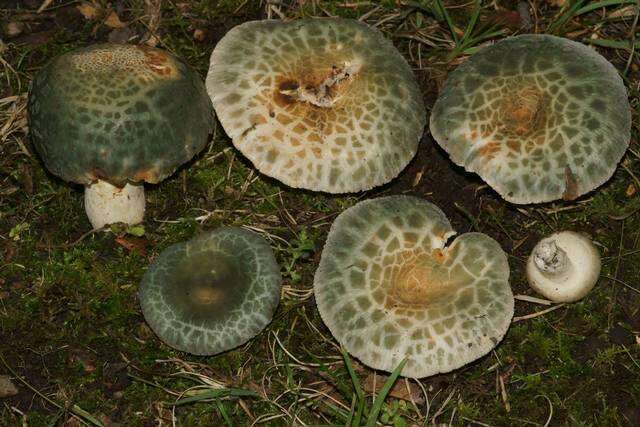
(388, 287)
(324, 104)
(538, 117)
(213, 292)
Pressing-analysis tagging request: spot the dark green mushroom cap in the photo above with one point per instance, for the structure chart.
(538, 117)
(389, 288)
(120, 113)
(213, 292)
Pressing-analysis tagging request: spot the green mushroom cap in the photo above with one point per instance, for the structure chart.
(119, 113)
(538, 117)
(389, 288)
(213, 292)
(325, 104)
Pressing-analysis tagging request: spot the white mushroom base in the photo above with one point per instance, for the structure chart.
(564, 267)
(107, 204)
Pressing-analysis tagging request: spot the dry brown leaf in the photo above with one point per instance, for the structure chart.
(89, 10)
(113, 21)
(557, 3)
(403, 389)
(631, 190)
(132, 243)
(7, 387)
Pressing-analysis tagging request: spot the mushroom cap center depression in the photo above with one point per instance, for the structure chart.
(319, 86)
(523, 111)
(207, 285)
(420, 280)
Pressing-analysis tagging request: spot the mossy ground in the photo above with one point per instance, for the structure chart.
(70, 323)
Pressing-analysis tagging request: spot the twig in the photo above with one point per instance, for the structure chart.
(537, 313)
(534, 300)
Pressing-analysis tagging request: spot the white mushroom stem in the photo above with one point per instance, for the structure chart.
(551, 260)
(108, 204)
(564, 267)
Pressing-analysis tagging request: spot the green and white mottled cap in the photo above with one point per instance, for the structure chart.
(388, 287)
(324, 104)
(118, 113)
(538, 117)
(213, 292)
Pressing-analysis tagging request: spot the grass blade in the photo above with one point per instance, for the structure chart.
(377, 403)
(472, 22)
(562, 19)
(613, 44)
(600, 4)
(215, 394)
(355, 422)
(447, 18)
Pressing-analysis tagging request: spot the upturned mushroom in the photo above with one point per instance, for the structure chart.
(213, 292)
(538, 117)
(389, 287)
(564, 267)
(324, 104)
(111, 117)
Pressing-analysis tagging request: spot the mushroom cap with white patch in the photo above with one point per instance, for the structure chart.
(388, 287)
(564, 266)
(118, 113)
(538, 117)
(324, 104)
(213, 292)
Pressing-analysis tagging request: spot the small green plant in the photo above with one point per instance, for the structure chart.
(301, 248)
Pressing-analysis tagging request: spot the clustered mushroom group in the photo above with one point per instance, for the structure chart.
(330, 105)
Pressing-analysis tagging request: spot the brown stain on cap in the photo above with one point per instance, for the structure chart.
(570, 186)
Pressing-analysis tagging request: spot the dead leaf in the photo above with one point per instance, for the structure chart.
(403, 389)
(113, 21)
(199, 34)
(14, 29)
(132, 243)
(631, 190)
(7, 387)
(89, 10)
(557, 3)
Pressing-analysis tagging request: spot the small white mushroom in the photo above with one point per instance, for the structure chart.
(564, 267)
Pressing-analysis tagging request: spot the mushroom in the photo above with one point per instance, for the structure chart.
(389, 287)
(538, 117)
(564, 267)
(324, 104)
(213, 292)
(113, 116)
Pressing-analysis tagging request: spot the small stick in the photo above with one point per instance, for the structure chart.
(534, 300)
(537, 313)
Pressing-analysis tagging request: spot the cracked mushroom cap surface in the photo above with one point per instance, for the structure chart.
(211, 293)
(388, 287)
(323, 104)
(117, 112)
(538, 117)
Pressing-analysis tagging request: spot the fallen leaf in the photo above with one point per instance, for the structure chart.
(403, 388)
(132, 243)
(557, 3)
(7, 387)
(14, 29)
(89, 10)
(631, 190)
(199, 34)
(113, 21)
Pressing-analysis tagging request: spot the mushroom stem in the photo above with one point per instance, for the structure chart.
(106, 204)
(551, 260)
